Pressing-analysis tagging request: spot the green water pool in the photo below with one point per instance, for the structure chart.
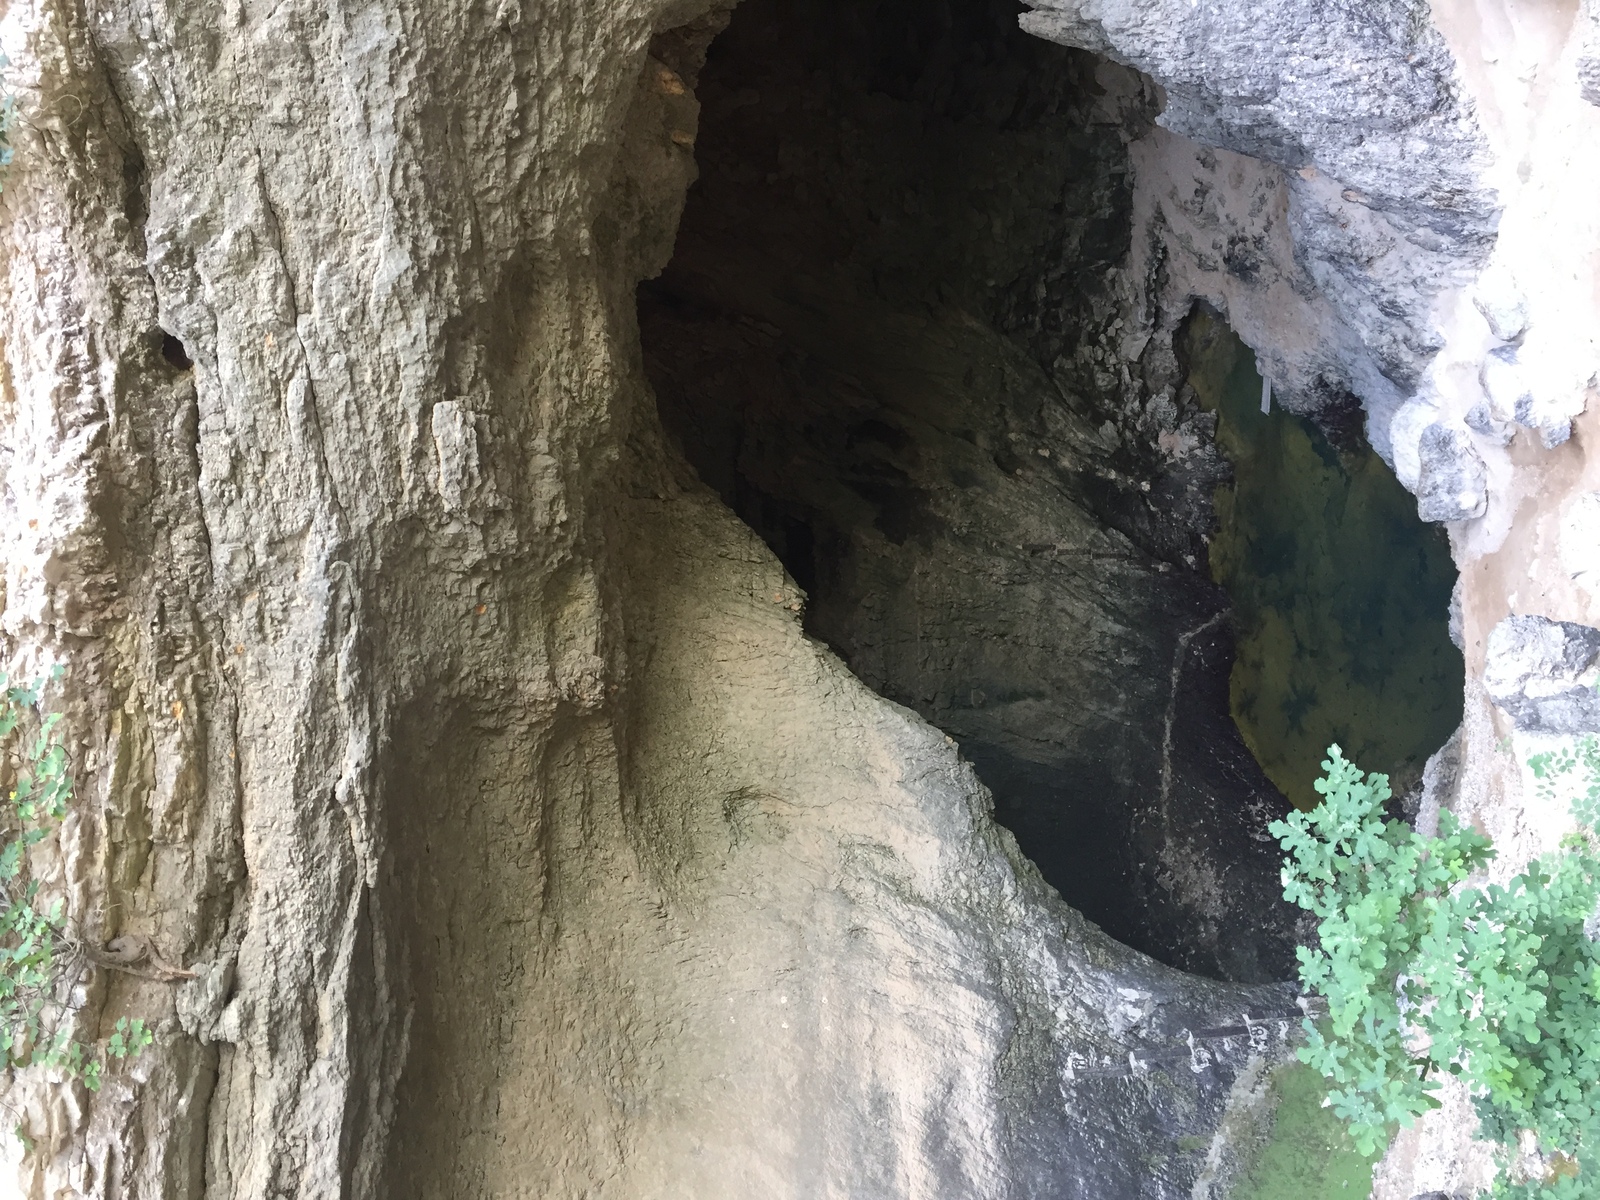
(1340, 593)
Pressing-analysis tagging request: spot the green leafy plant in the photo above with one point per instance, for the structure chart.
(38, 961)
(1426, 976)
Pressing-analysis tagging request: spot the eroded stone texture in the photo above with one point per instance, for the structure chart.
(471, 758)
(1361, 106)
(1543, 674)
(1452, 482)
(1589, 56)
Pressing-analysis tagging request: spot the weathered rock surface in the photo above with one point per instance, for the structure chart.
(1543, 674)
(1589, 51)
(1383, 164)
(1452, 482)
(472, 756)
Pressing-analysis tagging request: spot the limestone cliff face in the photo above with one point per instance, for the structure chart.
(886, 339)
(1357, 117)
(471, 754)
(466, 751)
(371, 507)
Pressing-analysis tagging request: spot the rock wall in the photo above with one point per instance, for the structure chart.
(476, 814)
(1355, 117)
(1416, 233)
(480, 818)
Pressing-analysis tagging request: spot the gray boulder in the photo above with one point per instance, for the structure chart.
(1481, 420)
(1452, 483)
(1542, 674)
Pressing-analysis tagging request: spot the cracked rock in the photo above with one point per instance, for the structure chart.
(1542, 673)
(1452, 482)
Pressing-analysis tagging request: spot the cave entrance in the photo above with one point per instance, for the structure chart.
(888, 338)
(1340, 592)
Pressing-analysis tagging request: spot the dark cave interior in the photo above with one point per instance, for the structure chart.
(884, 339)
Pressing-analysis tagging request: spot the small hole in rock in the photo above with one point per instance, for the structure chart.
(172, 350)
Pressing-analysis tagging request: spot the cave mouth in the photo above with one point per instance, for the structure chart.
(889, 339)
(1335, 643)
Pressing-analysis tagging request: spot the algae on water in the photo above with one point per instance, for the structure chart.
(1340, 592)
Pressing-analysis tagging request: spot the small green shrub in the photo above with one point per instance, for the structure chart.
(1425, 977)
(37, 960)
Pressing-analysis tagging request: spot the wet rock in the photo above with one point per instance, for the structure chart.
(1441, 776)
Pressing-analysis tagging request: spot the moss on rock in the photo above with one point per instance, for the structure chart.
(1307, 1155)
